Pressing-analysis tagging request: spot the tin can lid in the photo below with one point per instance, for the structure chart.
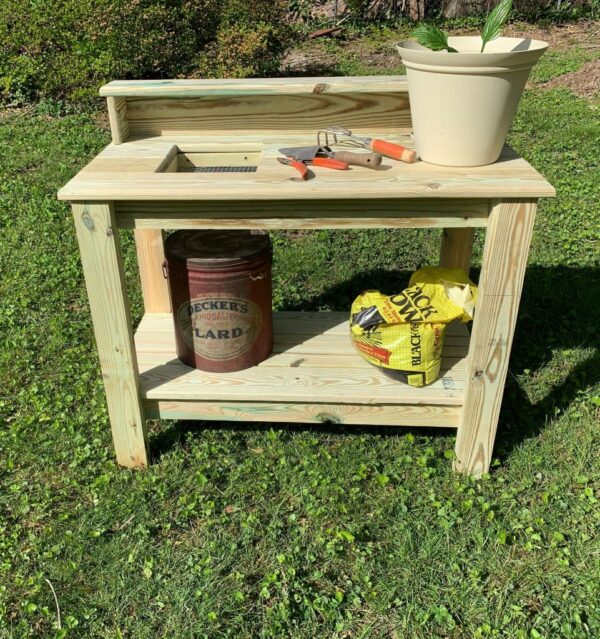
(218, 248)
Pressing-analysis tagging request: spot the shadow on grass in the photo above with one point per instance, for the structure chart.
(165, 440)
(560, 311)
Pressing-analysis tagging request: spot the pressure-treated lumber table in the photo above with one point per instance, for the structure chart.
(153, 178)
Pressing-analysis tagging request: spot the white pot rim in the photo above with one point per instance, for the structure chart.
(502, 52)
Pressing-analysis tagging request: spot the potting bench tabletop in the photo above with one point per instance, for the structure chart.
(202, 154)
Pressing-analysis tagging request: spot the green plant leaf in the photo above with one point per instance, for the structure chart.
(345, 535)
(432, 37)
(495, 21)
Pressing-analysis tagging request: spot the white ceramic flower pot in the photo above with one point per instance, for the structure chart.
(462, 103)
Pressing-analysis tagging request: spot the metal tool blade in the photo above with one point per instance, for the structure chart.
(301, 153)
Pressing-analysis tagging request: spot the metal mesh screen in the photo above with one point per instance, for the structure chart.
(219, 169)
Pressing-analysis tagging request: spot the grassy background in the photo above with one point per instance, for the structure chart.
(243, 531)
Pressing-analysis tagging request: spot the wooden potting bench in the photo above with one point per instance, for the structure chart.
(145, 181)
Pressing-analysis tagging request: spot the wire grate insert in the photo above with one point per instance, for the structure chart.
(219, 169)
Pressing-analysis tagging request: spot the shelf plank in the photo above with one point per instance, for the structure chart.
(297, 412)
(312, 362)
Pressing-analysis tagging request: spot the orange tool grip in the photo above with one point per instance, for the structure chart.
(394, 151)
(300, 167)
(329, 163)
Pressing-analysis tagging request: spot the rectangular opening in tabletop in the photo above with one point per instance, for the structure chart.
(244, 159)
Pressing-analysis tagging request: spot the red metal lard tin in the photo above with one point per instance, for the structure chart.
(221, 294)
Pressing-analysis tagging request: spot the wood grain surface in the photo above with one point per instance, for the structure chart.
(341, 213)
(457, 247)
(388, 111)
(313, 361)
(294, 412)
(117, 116)
(151, 255)
(510, 177)
(501, 281)
(149, 244)
(255, 86)
(103, 269)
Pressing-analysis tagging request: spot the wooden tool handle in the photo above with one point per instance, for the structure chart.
(330, 163)
(368, 160)
(394, 151)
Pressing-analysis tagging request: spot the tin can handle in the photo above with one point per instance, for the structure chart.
(165, 269)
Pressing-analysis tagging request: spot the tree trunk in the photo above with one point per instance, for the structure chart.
(462, 8)
(416, 9)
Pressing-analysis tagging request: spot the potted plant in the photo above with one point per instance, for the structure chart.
(464, 90)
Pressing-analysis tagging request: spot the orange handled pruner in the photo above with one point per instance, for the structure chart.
(299, 166)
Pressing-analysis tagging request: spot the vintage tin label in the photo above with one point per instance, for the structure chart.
(219, 326)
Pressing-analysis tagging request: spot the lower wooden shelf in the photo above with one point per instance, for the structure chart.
(314, 375)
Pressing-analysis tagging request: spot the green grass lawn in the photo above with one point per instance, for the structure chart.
(258, 532)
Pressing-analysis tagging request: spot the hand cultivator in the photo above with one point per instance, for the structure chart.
(341, 135)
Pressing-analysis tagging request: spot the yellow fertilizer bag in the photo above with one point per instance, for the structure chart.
(404, 333)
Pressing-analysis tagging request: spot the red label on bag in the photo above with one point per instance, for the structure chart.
(375, 352)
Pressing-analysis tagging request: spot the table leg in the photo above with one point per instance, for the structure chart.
(457, 246)
(100, 248)
(151, 255)
(505, 254)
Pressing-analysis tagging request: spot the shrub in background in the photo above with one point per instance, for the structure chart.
(556, 10)
(240, 51)
(250, 40)
(66, 49)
